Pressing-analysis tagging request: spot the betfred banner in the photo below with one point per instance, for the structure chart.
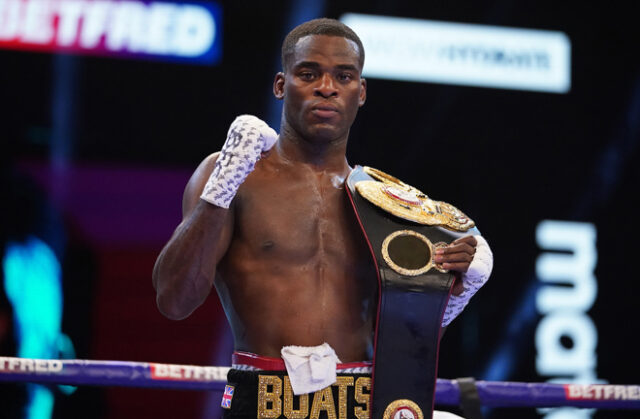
(186, 32)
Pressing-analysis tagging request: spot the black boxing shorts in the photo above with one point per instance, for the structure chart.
(258, 387)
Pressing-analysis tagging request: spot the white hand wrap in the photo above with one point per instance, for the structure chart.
(247, 138)
(475, 277)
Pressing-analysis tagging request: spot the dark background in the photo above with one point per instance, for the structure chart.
(130, 133)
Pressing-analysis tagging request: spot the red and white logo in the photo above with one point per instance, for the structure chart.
(403, 409)
(405, 413)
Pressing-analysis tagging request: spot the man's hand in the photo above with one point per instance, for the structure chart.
(457, 257)
(471, 260)
(248, 139)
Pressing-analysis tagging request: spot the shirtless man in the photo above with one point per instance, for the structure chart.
(269, 224)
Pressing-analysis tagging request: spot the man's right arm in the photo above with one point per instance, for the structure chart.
(184, 272)
(185, 269)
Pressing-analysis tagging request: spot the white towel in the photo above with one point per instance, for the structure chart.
(310, 368)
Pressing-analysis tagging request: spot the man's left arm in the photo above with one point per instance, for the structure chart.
(471, 260)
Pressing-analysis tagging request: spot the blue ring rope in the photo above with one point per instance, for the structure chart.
(79, 372)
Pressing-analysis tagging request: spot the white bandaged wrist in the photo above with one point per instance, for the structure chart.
(247, 138)
(475, 277)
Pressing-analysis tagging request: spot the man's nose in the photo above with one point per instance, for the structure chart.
(326, 86)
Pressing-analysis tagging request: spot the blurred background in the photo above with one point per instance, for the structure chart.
(98, 143)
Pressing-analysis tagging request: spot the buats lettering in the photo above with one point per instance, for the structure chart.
(276, 398)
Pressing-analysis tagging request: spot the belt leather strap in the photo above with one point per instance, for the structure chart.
(410, 311)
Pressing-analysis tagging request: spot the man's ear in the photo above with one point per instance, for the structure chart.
(278, 86)
(363, 92)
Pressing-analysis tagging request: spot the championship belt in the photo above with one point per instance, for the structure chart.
(403, 228)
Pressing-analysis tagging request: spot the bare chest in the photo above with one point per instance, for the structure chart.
(297, 258)
(299, 218)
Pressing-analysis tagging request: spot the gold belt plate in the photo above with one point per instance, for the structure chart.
(409, 203)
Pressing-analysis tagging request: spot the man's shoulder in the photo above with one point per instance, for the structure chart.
(210, 161)
(196, 183)
(205, 168)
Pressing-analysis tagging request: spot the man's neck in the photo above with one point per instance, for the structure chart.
(319, 154)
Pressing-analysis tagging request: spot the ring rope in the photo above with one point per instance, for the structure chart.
(79, 372)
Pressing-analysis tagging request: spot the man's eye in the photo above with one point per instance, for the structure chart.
(307, 75)
(345, 76)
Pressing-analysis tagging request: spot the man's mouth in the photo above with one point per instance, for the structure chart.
(324, 111)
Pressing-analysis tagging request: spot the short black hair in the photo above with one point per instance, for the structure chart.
(322, 26)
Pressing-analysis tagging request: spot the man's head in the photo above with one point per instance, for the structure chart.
(323, 26)
(321, 82)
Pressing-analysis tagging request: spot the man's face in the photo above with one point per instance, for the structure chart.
(321, 87)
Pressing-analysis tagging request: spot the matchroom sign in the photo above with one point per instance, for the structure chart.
(463, 54)
(184, 32)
